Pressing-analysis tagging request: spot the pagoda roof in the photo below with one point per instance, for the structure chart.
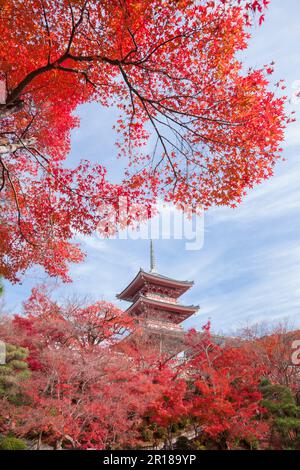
(182, 310)
(154, 278)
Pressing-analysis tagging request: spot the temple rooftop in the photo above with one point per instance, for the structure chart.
(182, 312)
(143, 278)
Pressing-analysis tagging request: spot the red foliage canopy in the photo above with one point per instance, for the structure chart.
(172, 70)
(84, 392)
(216, 392)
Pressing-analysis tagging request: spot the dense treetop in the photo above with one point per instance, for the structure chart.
(195, 127)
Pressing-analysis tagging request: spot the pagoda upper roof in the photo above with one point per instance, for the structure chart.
(183, 311)
(144, 277)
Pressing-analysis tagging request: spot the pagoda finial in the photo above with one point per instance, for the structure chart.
(152, 258)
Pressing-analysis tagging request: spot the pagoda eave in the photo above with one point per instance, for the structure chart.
(182, 312)
(143, 278)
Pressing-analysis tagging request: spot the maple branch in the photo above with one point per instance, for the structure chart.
(16, 92)
(79, 72)
(132, 51)
(76, 25)
(48, 31)
(5, 170)
(3, 175)
(12, 147)
(152, 120)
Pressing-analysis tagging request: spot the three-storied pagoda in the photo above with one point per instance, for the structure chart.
(155, 306)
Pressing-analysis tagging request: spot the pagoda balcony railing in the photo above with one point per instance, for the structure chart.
(162, 325)
(161, 298)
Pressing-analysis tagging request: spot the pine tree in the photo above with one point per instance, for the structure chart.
(12, 373)
(284, 414)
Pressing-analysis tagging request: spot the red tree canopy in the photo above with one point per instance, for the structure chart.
(172, 70)
(85, 392)
(215, 394)
(82, 392)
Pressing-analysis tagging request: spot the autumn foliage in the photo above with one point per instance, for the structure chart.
(84, 392)
(172, 70)
(81, 393)
(215, 395)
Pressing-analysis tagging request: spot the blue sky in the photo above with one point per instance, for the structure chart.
(248, 270)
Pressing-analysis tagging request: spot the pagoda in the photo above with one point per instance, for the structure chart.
(155, 307)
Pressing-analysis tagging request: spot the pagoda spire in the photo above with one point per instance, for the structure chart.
(153, 268)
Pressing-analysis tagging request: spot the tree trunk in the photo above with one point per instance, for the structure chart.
(7, 110)
(7, 147)
(58, 445)
(39, 441)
